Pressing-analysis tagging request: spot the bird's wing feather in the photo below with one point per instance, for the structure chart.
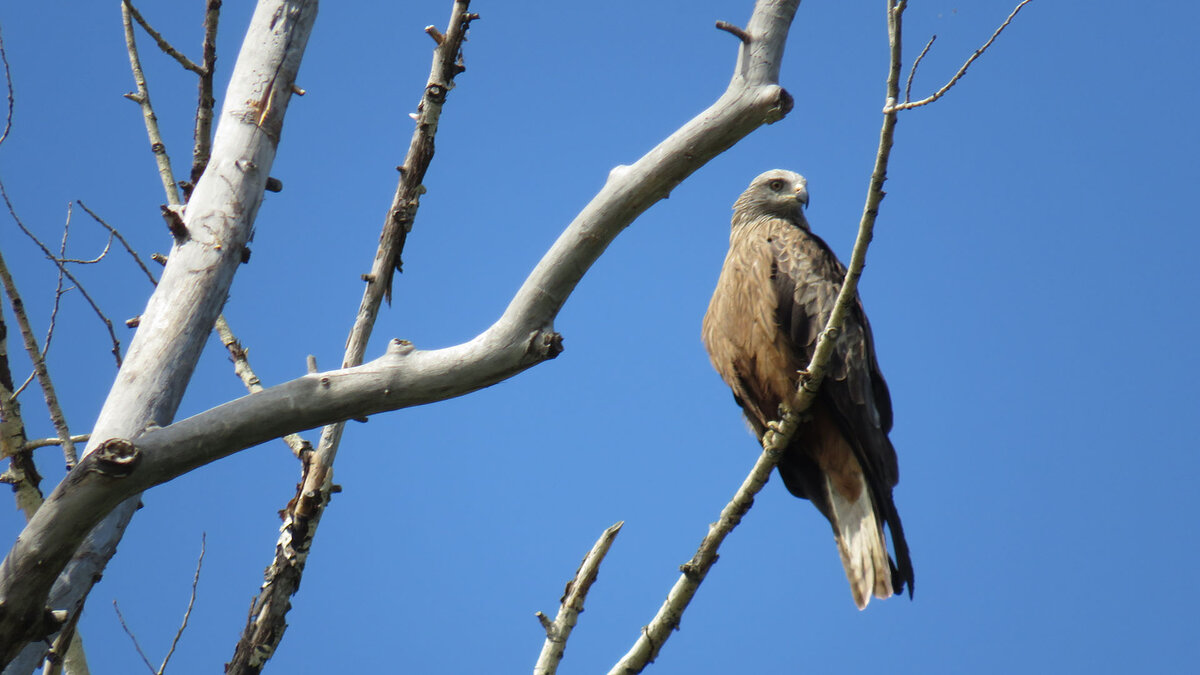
(807, 279)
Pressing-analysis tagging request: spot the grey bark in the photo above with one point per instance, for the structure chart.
(126, 457)
(173, 329)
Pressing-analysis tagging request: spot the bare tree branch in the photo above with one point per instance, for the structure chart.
(8, 117)
(22, 473)
(913, 71)
(268, 613)
(118, 469)
(67, 651)
(142, 98)
(47, 442)
(779, 435)
(162, 43)
(188, 613)
(117, 233)
(202, 136)
(59, 291)
(906, 105)
(39, 364)
(559, 630)
(202, 146)
(116, 343)
(176, 322)
(136, 644)
(241, 367)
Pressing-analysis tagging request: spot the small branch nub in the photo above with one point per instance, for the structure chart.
(735, 31)
(174, 217)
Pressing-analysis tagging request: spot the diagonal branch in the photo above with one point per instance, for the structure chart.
(202, 136)
(907, 105)
(142, 98)
(117, 233)
(22, 473)
(175, 325)
(268, 613)
(779, 434)
(188, 612)
(201, 151)
(8, 116)
(162, 43)
(559, 630)
(136, 645)
(112, 335)
(39, 364)
(118, 468)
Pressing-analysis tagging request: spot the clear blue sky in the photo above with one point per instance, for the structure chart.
(1032, 287)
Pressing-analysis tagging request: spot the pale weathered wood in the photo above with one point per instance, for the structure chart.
(404, 376)
(173, 329)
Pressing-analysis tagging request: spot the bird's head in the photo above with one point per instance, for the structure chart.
(778, 193)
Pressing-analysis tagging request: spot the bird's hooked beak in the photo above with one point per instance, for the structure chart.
(802, 196)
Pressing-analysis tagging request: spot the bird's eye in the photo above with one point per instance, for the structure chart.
(776, 185)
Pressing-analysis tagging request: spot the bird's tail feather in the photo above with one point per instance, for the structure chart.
(859, 536)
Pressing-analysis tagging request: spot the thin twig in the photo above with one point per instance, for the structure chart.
(779, 434)
(39, 364)
(241, 367)
(133, 637)
(117, 233)
(571, 605)
(8, 85)
(187, 614)
(961, 71)
(90, 261)
(268, 612)
(142, 98)
(58, 294)
(22, 473)
(47, 442)
(202, 135)
(116, 350)
(162, 42)
(913, 72)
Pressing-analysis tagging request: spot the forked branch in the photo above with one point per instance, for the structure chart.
(907, 105)
(779, 434)
(558, 630)
(127, 460)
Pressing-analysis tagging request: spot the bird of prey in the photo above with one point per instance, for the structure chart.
(777, 289)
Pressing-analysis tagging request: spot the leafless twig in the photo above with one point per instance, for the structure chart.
(162, 43)
(906, 105)
(188, 613)
(117, 233)
(59, 291)
(913, 71)
(571, 605)
(268, 612)
(47, 442)
(133, 637)
(779, 433)
(35, 355)
(8, 85)
(202, 136)
(241, 367)
(142, 98)
(116, 350)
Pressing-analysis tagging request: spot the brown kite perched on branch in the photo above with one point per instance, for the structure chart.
(776, 291)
